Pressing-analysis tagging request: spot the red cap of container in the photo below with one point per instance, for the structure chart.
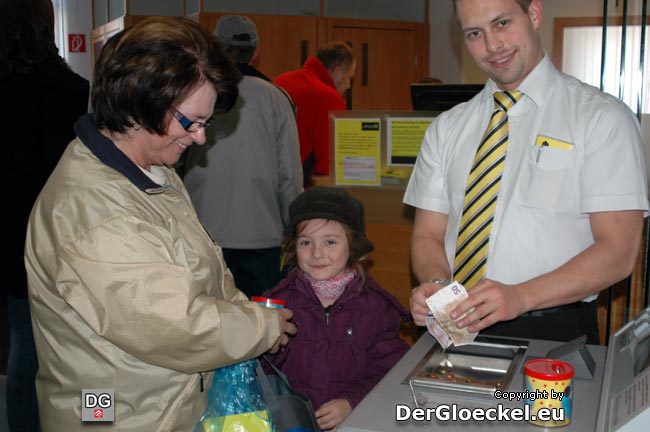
(549, 369)
(269, 301)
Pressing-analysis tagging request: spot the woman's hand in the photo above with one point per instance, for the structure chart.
(287, 329)
(332, 413)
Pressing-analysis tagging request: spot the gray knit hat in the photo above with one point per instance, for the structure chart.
(236, 30)
(321, 202)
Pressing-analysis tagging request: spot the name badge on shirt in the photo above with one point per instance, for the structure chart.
(543, 142)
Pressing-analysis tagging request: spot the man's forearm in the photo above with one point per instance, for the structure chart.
(429, 260)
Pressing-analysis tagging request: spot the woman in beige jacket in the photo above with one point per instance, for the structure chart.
(128, 292)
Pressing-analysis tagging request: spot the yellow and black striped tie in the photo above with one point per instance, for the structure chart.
(481, 193)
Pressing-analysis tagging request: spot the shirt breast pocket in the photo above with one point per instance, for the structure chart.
(549, 179)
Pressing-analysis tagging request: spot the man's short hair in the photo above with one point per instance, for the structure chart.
(336, 53)
(524, 4)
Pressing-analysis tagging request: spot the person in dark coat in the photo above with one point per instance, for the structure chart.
(348, 325)
(41, 100)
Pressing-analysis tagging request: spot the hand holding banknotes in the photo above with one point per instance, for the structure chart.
(440, 324)
(492, 302)
(418, 300)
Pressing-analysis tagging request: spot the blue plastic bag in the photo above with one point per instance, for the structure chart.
(235, 402)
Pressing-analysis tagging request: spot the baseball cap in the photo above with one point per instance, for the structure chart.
(236, 30)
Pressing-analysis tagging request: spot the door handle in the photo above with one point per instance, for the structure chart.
(364, 64)
(304, 51)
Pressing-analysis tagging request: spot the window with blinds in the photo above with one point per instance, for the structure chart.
(582, 53)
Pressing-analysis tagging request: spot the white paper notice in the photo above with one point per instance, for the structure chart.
(633, 400)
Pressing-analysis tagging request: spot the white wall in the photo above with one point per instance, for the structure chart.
(445, 43)
(76, 18)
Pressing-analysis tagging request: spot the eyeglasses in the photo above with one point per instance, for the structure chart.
(189, 125)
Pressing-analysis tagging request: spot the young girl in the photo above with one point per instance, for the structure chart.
(347, 324)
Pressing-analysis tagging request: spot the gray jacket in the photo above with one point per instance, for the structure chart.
(243, 180)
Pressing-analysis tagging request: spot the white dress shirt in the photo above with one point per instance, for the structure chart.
(594, 163)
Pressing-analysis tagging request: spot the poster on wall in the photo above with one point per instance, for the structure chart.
(357, 151)
(404, 137)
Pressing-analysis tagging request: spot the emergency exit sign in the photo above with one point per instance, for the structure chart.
(77, 43)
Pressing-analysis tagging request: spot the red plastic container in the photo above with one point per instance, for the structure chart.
(269, 302)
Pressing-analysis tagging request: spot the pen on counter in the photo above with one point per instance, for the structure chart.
(539, 150)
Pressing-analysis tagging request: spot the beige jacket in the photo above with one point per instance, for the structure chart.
(128, 292)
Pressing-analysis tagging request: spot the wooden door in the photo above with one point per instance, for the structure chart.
(390, 56)
(285, 41)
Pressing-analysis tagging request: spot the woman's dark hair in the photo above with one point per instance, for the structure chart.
(146, 70)
(26, 35)
(356, 245)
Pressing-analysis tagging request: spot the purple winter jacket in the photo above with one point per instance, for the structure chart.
(341, 352)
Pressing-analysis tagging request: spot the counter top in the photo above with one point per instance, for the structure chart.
(377, 411)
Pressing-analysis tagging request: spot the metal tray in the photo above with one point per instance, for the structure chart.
(481, 367)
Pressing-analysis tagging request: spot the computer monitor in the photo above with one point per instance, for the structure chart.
(441, 97)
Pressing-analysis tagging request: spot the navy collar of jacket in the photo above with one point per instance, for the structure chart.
(107, 152)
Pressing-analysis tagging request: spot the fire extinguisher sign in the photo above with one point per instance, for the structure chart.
(77, 43)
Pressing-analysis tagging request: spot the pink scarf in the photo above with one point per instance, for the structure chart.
(331, 289)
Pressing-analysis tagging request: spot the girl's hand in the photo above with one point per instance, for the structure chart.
(332, 413)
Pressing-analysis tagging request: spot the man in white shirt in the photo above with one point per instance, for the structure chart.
(570, 206)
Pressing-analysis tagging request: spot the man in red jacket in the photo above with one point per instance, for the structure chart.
(316, 89)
